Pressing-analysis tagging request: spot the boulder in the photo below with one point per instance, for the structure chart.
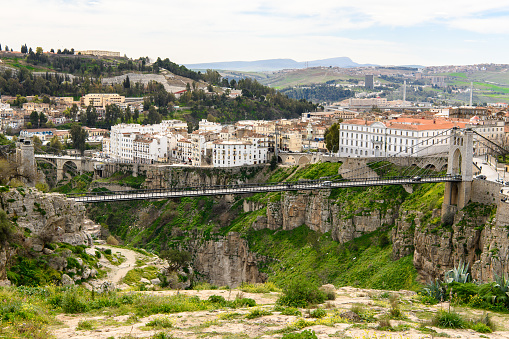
(47, 251)
(155, 281)
(80, 261)
(93, 273)
(145, 281)
(351, 316)
(37, 247)
(67, 280)
(86, 272)
(106, 286)
(57, 263)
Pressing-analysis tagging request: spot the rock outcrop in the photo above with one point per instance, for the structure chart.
(321, 214)
(48, 217)
(227, 261)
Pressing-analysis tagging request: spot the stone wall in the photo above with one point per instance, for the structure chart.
(485, 192)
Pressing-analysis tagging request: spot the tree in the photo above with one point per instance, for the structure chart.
(127, 115)
(127, 82)
(6, 229)
(36, 142)
(38, 50)
(79, 138)
(55, 146)
(74, 112)
(332, 138)
(90, 116)
(136, 115)
(273, 163)
(153, 117)
(42, 119)
(176, 259)
(34, 119)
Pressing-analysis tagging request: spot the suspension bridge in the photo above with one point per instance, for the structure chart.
(453, 146)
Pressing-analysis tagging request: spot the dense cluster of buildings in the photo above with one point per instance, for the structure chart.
(210, 145)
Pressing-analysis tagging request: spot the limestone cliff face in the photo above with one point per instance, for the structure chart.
(227, 261)
(48, 217)
(319, 213)
(480, 240)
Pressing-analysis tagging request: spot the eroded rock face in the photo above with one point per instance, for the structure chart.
(227, 261)
(477, 240)
(49, 217)
(320, 214)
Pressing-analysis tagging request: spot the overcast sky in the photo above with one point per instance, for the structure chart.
(388, 32)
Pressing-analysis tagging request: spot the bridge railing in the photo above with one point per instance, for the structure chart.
(252, 187)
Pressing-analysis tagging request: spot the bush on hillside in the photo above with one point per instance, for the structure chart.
(300, 293)
(111, 240)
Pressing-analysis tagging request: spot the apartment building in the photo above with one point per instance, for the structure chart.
(232, 153)
(34, 106)
(148, 149)
(101, 100)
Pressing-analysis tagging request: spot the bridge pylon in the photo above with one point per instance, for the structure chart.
(461, 155)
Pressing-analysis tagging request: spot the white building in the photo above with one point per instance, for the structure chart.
(232, 153)
(398, 137)
(206, 126)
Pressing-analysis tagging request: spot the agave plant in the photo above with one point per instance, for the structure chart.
(502, 283)
(457, 274)
(435, 290)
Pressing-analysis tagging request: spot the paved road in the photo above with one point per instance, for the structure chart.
(244, 189)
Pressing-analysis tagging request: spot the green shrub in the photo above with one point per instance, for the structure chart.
(217, 299)
(448, 319)
(257, 313)
(291, 311)
(73, 302)
(85, 325)
(300, 293)
(318, 313)
(162, 322)
(481, 328)
(107, 251)
(243, 302)
(306, 334)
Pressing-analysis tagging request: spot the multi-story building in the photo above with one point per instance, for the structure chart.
(397, 137)
(148, 149)
(44, 134)
(100, 53)
(232, 153)
(101, 100)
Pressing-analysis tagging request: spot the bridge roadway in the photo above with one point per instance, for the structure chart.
(94, 197)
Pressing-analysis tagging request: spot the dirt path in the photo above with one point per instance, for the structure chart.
(116, 272)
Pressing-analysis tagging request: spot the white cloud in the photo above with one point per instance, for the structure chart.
(200, 31)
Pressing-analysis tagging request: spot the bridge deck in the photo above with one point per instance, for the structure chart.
(94, 197)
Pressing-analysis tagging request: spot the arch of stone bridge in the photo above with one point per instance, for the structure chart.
(303, 160)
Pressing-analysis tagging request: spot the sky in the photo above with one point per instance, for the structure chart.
(385, 32)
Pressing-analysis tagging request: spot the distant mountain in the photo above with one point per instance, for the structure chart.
(275, 64)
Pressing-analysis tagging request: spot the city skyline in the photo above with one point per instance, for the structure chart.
(389, 33)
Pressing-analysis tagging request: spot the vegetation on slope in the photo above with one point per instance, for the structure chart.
(362, 262)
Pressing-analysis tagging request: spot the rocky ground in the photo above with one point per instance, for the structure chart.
(233, 323)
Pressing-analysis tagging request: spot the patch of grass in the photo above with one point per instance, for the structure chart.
(447, 319)
(259, 287)
(161, 322)
(134, 276)
(318, 313)
(85, 325)
(257, 313)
